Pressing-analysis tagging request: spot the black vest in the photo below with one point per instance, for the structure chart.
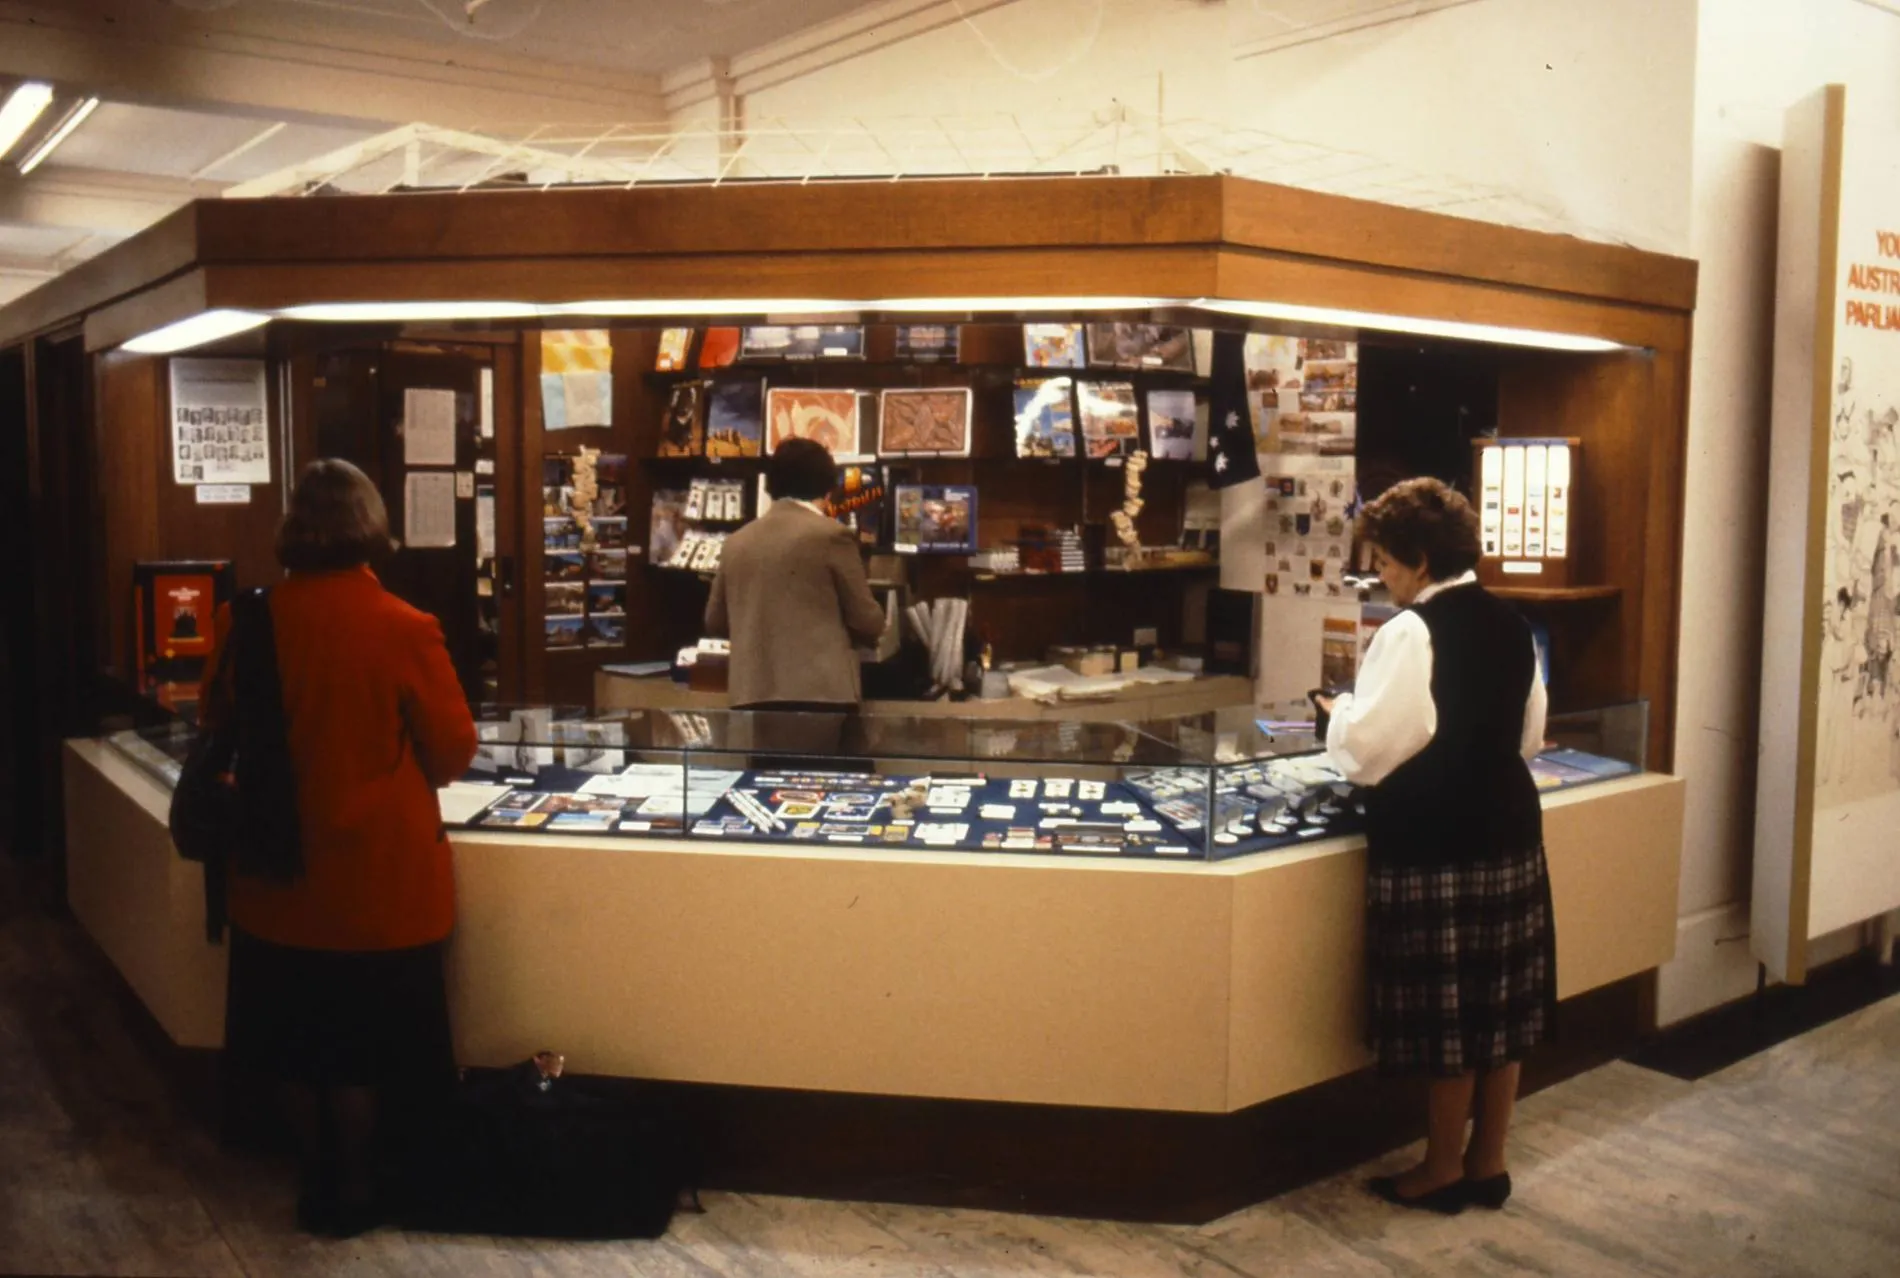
(1467, 795)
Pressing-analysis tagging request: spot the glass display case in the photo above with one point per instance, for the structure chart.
(1197, 787)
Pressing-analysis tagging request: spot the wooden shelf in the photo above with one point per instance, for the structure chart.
(984, 574)
(1556, 594)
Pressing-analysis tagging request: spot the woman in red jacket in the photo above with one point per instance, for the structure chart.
(336, 987)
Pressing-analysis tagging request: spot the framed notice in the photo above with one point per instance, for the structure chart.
(1829, 794)
(220, 421)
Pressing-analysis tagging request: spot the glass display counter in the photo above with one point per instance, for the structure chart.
(1195, 787)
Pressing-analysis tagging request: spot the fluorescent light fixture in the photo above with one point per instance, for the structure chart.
(1009, 305)
(1410, 324)
(662, 307)
(703, 306)
(74, 118)
(410, 312)
(23, 106)
(209, 326)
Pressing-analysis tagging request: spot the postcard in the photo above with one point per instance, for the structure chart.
(565, 566)
(1045, 417)
(719, 347)
(683, 425)
(929, 343)
(566, 599)
(1171, 424)
(1334, 375)
(935, 520)
(830, 417)
(802, 341)
(560, 534)
(608, 597)
(674, 346)
(924, 422)
(734, 423)
(1318, 348)
(607, 565)
(1148, 346)
(1053, 345)
(610, 532)
(564, 631)
(1111, 423)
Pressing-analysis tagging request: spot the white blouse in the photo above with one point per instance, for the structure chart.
(1390, 716)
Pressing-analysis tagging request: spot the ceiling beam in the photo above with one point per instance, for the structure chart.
(95, 200)
(224, 60)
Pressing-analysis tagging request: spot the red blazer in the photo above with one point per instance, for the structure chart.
(377, 721)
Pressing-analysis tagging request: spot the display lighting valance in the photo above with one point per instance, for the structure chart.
(211, 326)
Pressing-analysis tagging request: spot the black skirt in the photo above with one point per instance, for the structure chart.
(1462, 961)
(338, 1018)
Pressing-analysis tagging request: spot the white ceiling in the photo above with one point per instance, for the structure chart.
(202, 94)
(649, 37)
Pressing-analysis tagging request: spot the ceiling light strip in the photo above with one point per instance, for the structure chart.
(22, 108)
(207, 326)
(74, 118)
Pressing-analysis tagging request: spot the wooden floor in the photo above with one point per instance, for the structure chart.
(1787, 1164)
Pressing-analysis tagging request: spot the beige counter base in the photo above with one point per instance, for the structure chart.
(1137, 984)
(1151, 701)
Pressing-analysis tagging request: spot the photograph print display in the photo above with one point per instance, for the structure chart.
(802, 341)
(683, 426)
(924, 423)
(1111, 422)
(828, 417)
(1144, 346)
(734, 418)
(1053, 345)
(935, 520)
(1045, 417)
(1171, 424)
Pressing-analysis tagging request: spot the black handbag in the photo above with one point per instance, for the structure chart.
(524, 1152)
(235, 804)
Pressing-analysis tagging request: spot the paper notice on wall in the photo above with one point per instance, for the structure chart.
(220, 421)
(428, 427)
(485, 419)
(484, 524)
(429, 509)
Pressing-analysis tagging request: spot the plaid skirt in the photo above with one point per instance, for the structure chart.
(1462, 962)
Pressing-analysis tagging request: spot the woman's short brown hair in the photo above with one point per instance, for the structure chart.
(1422, 521)
(337, 520)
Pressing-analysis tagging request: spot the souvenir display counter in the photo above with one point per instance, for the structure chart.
(1037, 956)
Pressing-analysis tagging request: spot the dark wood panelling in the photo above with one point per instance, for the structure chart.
(658, 221)
(1625, 522)
(1285, 218)
(129, 418)
(1137, 272)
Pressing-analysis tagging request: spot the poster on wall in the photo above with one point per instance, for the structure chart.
(577, 380)
(220, 421)
(1829, 794)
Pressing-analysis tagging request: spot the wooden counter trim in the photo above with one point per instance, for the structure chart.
(912, 221)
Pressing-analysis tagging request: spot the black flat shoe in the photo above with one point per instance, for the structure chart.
(1446, 1200)
(1492, 1192)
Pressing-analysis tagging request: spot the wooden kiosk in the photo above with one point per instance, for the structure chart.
(950, 979)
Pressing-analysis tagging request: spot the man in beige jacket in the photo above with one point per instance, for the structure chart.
(792, 594)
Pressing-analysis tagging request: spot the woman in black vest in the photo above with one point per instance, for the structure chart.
(1460, 948)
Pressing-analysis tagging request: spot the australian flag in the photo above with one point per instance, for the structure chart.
(1229, 425)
